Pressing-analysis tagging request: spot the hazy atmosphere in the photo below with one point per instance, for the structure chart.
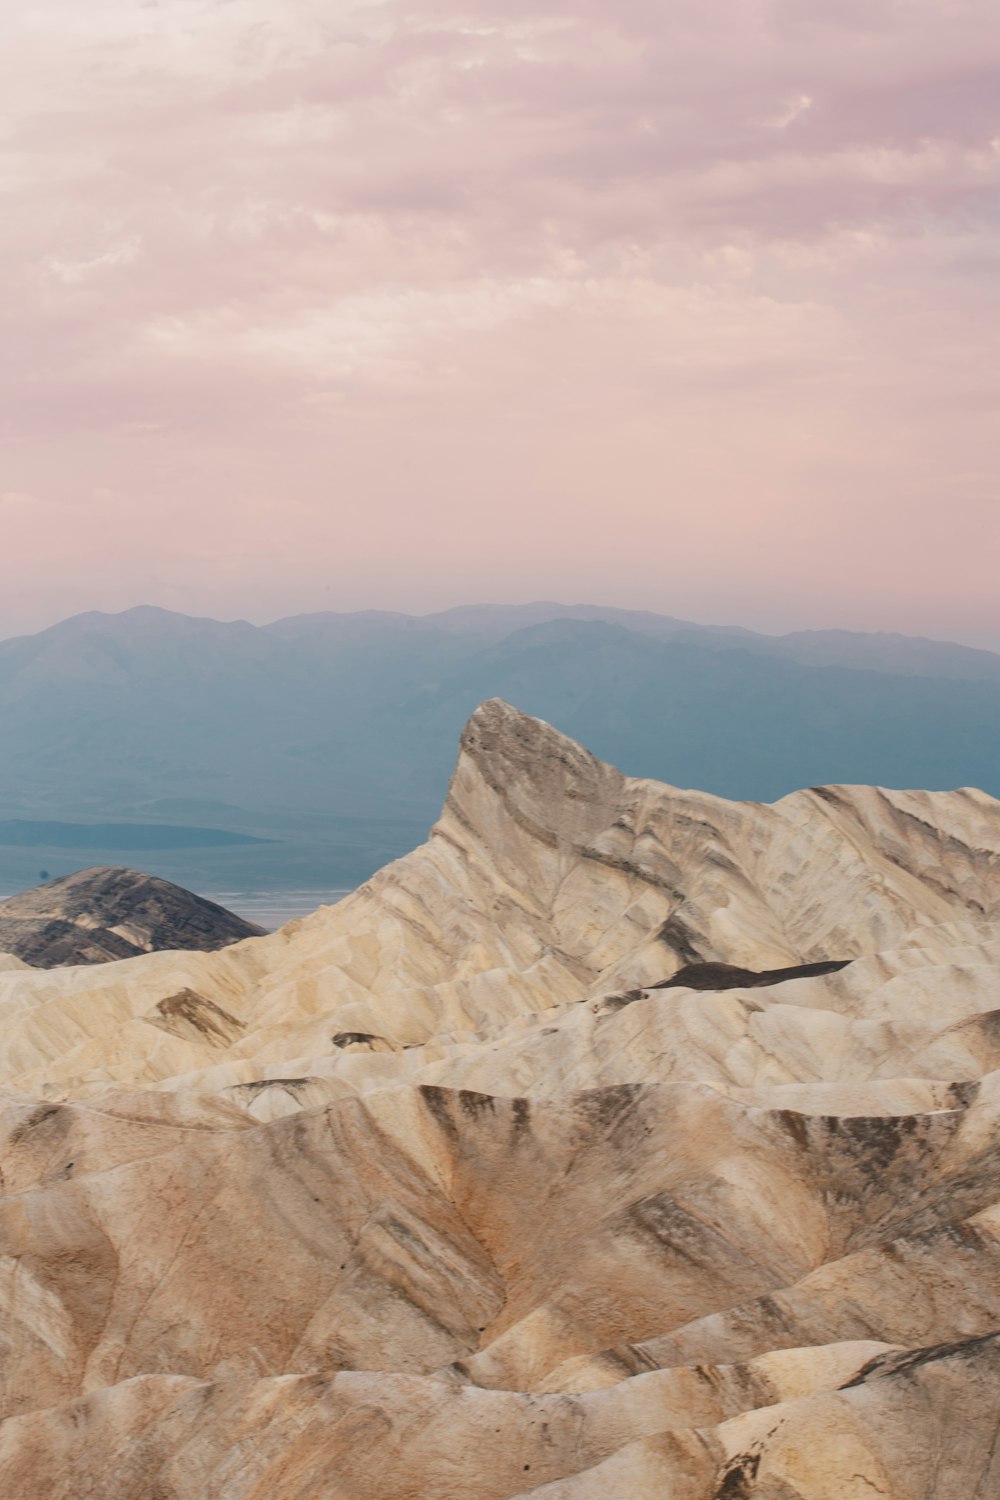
(688, 307)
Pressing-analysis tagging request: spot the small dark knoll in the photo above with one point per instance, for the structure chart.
(102, 914)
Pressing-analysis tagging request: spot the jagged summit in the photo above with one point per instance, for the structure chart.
(545, 781)
(105, 913)
(513, 750)
(620, 1140)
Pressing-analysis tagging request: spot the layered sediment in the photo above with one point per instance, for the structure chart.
(621, 1140)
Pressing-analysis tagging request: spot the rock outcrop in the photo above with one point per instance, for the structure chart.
(102, 914)
(619, 1141)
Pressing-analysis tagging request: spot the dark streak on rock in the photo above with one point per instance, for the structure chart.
(292, 1084)
(911, 1359)
(190, 1008)
(738, 1477)
(37, 1117)
(521, 1110)
(436, 1102)
(678, 938)
(717, 976)
(475, 1105)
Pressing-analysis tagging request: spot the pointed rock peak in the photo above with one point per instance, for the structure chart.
(506, 743)
(497, 728)
(544, 778)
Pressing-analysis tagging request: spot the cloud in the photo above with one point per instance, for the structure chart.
(790, 111)
(72, 271)
(444, 258)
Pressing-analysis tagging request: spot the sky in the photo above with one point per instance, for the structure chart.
(335, 305)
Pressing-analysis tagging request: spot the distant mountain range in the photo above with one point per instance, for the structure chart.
(333, 734)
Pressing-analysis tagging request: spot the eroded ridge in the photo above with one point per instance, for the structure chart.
(621, 1140)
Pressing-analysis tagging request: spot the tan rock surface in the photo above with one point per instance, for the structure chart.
(448, 1191)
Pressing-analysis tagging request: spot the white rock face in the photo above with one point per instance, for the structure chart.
(619, 1141)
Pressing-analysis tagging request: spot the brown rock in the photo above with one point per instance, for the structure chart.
(99, 915)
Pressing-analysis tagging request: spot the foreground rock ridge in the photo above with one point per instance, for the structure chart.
(620, 1141)
(98, 915)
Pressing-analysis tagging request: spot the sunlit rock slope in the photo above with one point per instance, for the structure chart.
(620, 1142)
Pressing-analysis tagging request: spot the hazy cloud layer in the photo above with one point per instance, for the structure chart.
(692, 306)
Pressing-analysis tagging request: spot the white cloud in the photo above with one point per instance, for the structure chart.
(74, 271)
(384, 334)
(790, 111)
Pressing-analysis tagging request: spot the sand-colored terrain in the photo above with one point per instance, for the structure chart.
(619, 1142)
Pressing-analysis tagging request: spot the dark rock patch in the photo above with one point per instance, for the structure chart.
(716, 976)
(911, 1359)
(188, 1011)
(736, 1481)
(107, 913)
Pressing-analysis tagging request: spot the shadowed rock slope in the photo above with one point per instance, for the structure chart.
(620, 1141)
(98, 915)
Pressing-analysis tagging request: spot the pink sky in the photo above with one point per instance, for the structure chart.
(688, 306)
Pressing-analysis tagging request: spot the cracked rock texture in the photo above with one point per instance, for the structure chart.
(620, 1142)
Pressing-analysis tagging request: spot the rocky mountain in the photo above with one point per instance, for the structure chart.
(94, 916)
(620, 1140)
(333, 735)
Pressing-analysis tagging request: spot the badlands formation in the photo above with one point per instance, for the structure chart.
(619, 1142)
(106, 913)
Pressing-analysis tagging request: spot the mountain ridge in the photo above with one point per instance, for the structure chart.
(472, 1182)
(948, 655)
(282, 732)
